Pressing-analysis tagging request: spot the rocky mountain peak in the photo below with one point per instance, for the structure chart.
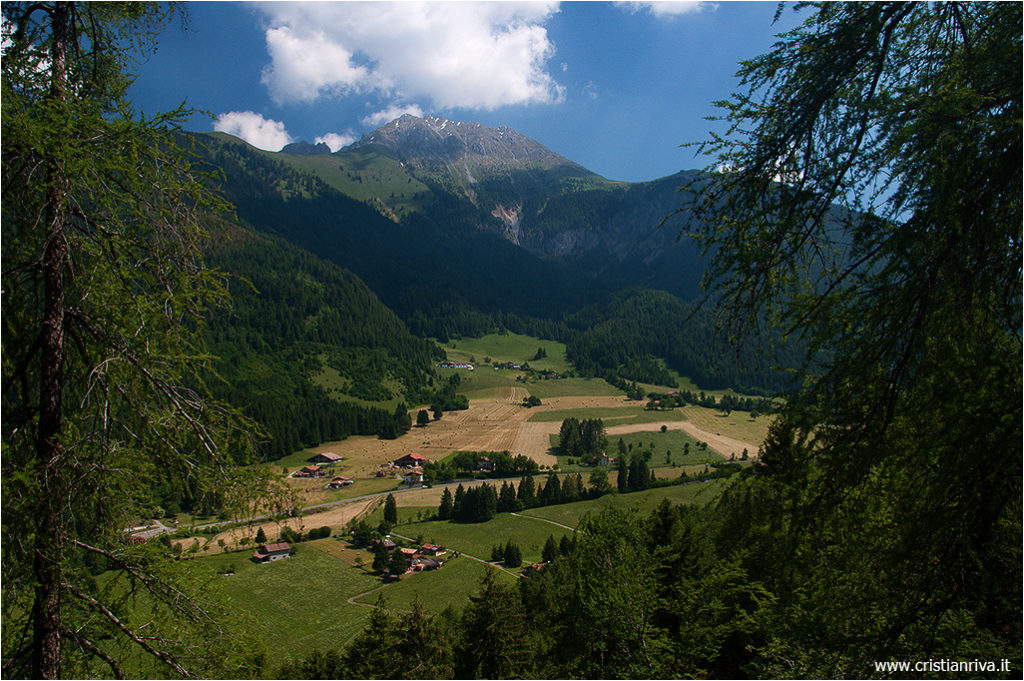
(436, 143)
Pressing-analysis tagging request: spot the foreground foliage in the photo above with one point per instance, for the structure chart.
(887, 517)
(104, 292)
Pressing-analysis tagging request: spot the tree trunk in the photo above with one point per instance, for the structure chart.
(50, 543)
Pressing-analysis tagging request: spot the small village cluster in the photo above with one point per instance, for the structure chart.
(427, 557)
(423, 559)
(412, 465)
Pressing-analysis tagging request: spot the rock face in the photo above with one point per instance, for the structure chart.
(306, 149)
(536, 199)
(470, 151)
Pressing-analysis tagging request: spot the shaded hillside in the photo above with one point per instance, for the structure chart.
(418, 265)
(446, 277)
(500, 181)
(296, 318)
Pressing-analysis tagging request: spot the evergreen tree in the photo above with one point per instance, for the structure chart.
(105, 294)
(261, 537)
(444, 511)
(457, 503)
(550, 551)
(512, 556)
(566, 544)
(494, 644)
(526, 494)
(507, 501)
(374, 652)
(397, 563)
(622, 479)
(390, 510)
(424, 646)
(380, 558)
(872, 206)
(598, 483)
(552, 492)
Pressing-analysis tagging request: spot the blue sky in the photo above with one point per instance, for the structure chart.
(615, 87)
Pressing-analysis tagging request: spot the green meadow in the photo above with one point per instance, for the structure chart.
(451, 585)
(296, 604)
(302, 603)
(511, 347)
(612, 416)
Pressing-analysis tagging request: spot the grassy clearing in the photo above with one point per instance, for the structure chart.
(477, 539)
(571, 387)
(483, 383)
(690, 493)
(612, 416)
(367, 175)
(737, 425)
(510, 347)
(450, 586)
(337, 386)
(296, 604)
(658, 444)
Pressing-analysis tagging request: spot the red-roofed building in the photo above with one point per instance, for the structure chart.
(411, 460)
(313, 471)
(271, 552)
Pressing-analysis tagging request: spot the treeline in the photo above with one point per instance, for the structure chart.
(481, 503)
(471, 464)
(727, 402)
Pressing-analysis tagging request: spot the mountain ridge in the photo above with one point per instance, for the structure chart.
(498, 180)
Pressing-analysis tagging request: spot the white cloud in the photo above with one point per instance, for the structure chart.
(336, 141)
(258, 131)
(668, 8)
(454, 54)
(391, 113)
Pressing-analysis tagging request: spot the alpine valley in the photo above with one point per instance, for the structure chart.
(429, 228)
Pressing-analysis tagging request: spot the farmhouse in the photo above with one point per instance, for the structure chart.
(532, 569)
(412, 478)
(339, 482)
(411, 460)
(313, 471)
(432, 550)
(484, 464)
(326, 457)
(271, 552)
